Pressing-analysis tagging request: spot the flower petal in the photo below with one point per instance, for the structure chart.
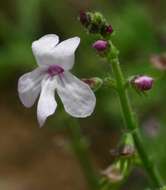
(62, 54)
(47, 104)
(77, 97)
(41, 48)
(29, 86)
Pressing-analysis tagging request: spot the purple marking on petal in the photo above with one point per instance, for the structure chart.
(55, 70)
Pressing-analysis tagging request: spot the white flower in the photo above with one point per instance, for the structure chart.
(54, 62)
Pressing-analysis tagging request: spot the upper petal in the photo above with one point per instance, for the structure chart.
(67, 47)
(47, 104)
(29, 86)
(43, 47)
(61, 54)
(77, 97)
(64, 53)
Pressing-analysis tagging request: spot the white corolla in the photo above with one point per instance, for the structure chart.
(54, 62)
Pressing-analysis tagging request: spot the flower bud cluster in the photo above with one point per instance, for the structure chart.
(95, 23)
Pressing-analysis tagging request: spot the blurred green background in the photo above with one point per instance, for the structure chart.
(40, 159)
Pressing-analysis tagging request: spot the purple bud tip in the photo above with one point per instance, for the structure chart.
(84, 18)
(109, 29)
(143, 83)
(100, 45)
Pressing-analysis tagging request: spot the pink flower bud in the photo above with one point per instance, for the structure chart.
(143, 83)
(84, 18)
(100, 45)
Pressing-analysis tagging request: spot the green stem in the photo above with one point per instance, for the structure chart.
(131, 125)
(80, 148)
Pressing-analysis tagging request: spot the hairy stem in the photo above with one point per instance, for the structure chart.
(131, 125)
(80, 148)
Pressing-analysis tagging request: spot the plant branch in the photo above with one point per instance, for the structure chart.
(131, 125)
